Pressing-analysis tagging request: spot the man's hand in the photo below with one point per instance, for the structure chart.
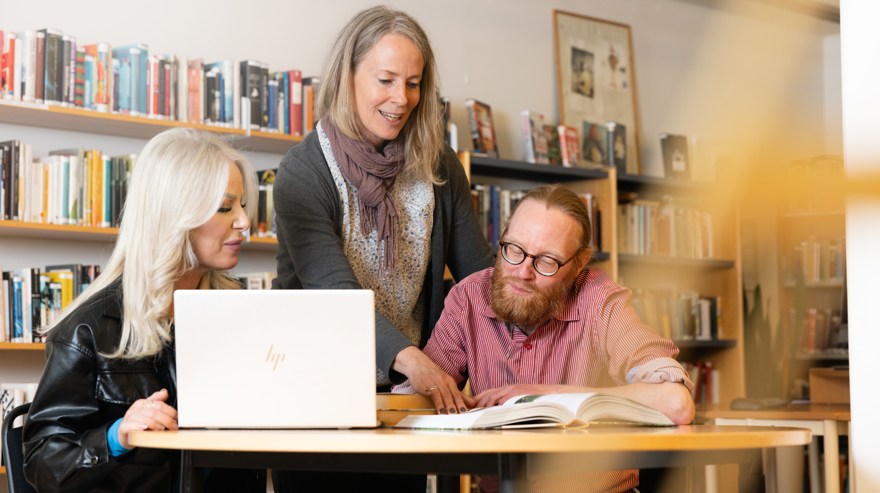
(428, 379)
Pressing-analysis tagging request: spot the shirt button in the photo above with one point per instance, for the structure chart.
(528, 346)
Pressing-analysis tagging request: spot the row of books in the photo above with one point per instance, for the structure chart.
(818, 329)
(51, 67)
(680, 314)
(594, 144)
(664, 228)
(707, 382)
(69, 186)
(34, 298)
(494, 205)
(85, 187)
(13, 395)
(816, 260)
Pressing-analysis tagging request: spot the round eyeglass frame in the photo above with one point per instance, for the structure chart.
(503, 245)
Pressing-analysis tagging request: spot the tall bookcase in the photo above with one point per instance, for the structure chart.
(719, 276)
(715, 274)
(55, 244)
(812, 271)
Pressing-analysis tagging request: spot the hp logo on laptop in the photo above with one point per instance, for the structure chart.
(274, 358)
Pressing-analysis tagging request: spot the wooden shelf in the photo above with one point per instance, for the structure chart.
(832, 284)
(600, 257)
(842, 355)
(83, 120)
(628, 258)
(814, 215)
(23, 229)
(484, 166)
(22, 346)
(695, 344)
(634, 183)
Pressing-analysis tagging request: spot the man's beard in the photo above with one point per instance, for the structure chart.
(528, 310)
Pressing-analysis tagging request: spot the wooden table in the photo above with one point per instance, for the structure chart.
(826, 420)
(507, 453)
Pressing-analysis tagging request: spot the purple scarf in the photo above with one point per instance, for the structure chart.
(373, 174)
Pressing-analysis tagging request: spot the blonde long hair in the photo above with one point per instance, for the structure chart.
(178, 182)
(423, 131)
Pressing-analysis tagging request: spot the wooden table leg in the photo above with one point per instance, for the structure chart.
(832, 457)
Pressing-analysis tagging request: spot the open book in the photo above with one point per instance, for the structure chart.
(545, 410)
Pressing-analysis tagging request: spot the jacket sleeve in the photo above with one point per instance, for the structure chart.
(469, 250)
(65, 445)
(310, 251)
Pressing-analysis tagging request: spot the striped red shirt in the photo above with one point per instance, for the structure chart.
(597, 340)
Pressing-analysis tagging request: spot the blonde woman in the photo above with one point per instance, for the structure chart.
(110, 364)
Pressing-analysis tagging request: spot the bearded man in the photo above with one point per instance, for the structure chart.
(542, 322)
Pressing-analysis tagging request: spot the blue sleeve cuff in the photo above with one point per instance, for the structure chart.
(116, 448)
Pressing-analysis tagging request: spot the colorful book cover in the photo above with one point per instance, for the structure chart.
(554, 153)
(102, 86)
(295, 101)
(534, 138)
(569, 145)
(595, 145)
(482, 128)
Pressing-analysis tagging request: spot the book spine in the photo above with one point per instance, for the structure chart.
(44, 65)
(296, 103)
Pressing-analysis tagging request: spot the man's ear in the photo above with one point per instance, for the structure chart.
(584, 258)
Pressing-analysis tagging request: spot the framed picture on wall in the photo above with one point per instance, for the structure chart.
(596, 76)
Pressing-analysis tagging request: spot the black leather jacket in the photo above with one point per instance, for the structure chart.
(82, 393)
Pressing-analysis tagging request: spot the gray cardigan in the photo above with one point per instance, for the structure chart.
(308, 215)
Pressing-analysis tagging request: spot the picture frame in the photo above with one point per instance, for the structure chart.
(595, 76)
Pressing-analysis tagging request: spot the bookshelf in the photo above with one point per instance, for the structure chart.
(812, 271)
(520, 175)
(27, 244)
(96, 122)
(711, 271)
(719, 275)
(21, 229)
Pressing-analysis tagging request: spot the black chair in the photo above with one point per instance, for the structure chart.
(13, 456)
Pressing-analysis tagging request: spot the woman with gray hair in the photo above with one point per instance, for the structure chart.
(374, 199)
(110, 365)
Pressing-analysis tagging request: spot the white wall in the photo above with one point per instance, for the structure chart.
(861, 117)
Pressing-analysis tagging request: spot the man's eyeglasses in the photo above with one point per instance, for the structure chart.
(543, 264)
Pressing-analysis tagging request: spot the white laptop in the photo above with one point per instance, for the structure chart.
(275, 358)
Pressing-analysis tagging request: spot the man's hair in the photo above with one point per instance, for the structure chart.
(423, 132)
(178, 182)
(558, 197)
